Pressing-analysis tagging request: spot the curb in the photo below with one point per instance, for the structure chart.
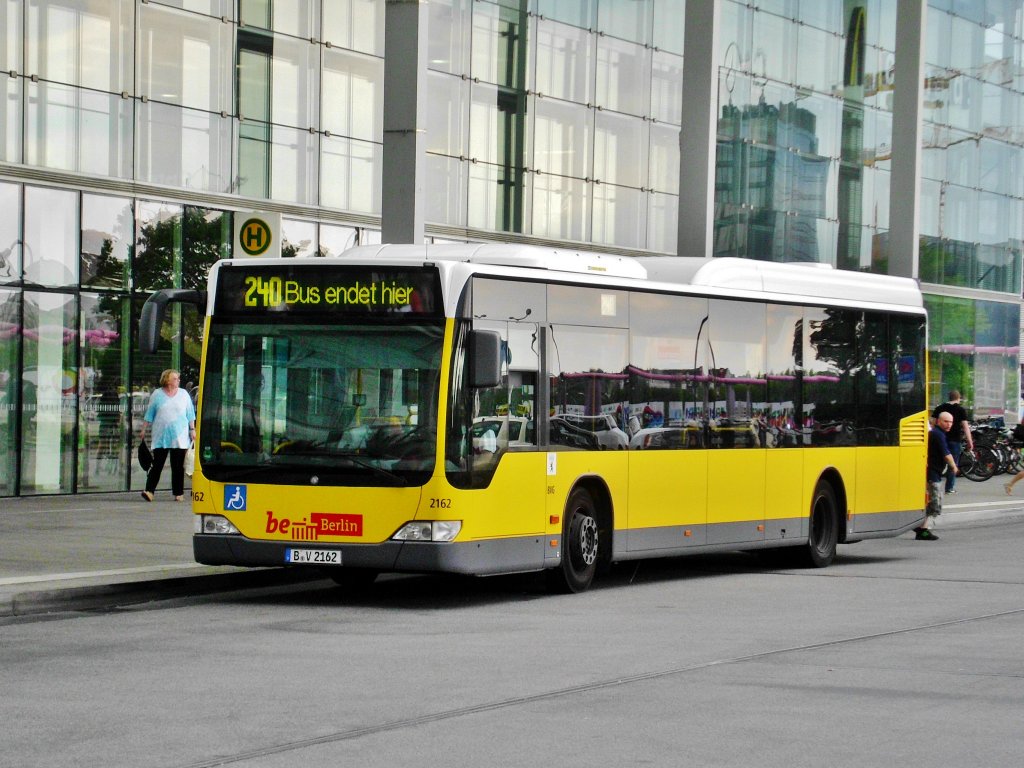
(103, 597)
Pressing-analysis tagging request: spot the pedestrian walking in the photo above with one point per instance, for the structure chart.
(959, 433)
(171, 418)
(940, 460)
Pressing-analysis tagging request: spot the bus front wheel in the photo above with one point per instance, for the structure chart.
(581, 541)
(824, 533)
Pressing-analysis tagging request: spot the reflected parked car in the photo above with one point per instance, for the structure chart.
(603, 426)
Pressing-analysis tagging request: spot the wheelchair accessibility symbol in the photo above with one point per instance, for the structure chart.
(234, 498)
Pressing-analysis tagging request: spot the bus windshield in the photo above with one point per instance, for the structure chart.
(341, 404)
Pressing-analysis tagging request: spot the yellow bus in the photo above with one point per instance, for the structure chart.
(486, 409)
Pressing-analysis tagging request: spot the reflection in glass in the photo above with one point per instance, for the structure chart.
(103, 396)
(336, 239)
(10, 233)
(10, 387)
(561, 138)
(565, 61)
(350, 174)
(185, 59)
(183, 147)
(85, 44)
(353, 103)
(48, 392)
(448, 44)
(158, 243)
(298, 238)
(355, 24)
(620, 67)
(10, 118)
(107, 231)
(78, 130)
(51, 236)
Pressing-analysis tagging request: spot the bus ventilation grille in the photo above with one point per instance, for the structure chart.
(913, 432)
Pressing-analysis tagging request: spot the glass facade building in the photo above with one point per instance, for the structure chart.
(132, 132)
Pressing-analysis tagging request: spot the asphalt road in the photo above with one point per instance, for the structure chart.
(903, 653)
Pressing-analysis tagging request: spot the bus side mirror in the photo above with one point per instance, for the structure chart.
(484, 359)
(153, 314)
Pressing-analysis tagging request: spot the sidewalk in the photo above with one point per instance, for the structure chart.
(95, 551)
(92, 551)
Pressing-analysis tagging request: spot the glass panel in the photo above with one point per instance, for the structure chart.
(668, 27)
(561, 138)
(580, 13)
(630, 21)
(107, 232)
(666, 404)
(485, 125)
(781, 416)
(355, 107)
(587, 367)
(10, 118)
(498, 38)
(300, 18)
(620, 149)
(736, 37)
(10, 35)
(662, 222)
(559, 207)
(565, 61)
(818, 58)
(294, 156)
(10, 233)
(448, 43)
(183, 147)
(335, 240)
(664, 159)
(298, 238)
(158, 245)
(104, 448)
(86, 44)
(618, 216)
(185, 59)
(295, 86)
(207, 238)
(965, 104)
(209, 7)
(355, 24)
(733, 357)
(350, 400)
(77, 130)
(10, 387)
(775, 44)
(447, 114)
(830, 344)
(484, 198)
(48, 406)
(621, 66)
(446, 190)
(667, 88)
(51, 237)
(254, 158)
(350, 174)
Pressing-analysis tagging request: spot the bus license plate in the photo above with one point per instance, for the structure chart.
(313, 556)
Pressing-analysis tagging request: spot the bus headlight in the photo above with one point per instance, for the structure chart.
(213, 524)
(429, 530)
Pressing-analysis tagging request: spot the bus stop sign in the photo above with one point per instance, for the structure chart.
(257, 234)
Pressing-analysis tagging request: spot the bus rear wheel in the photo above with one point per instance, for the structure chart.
(581, 542)
(820, 550)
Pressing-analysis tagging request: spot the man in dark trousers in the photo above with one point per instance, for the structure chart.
(939, 460)
(960, 433)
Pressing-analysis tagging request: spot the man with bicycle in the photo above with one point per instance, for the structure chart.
(958, 434)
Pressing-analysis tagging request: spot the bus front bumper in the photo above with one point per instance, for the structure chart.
(475, 557)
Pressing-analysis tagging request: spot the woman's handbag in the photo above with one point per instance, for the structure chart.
(145, 457)
(190, 460)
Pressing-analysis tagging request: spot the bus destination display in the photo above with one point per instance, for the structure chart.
(327, 289)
